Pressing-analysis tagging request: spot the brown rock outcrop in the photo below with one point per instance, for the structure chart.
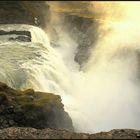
(32, 109)
(32, 133)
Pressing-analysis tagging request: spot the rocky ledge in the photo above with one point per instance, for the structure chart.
(37, 115)
(32, 133)
(32, 109)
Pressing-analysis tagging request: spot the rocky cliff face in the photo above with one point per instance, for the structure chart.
(36, 115)
(85, 32)
(25, 12)
(32, 109)
(82, 29)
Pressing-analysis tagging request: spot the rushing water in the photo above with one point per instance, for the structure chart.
(31, 64)
(102, 96)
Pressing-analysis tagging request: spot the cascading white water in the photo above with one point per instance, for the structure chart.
(102, 97)
(32, 64)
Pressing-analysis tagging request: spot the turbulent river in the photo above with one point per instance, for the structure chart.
(103, 96)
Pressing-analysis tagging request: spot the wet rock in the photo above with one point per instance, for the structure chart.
(27, 33)
(11, 122)
(26, 12)
(20, 38)
(3, 97)
(24, 36)
(32, 109)
(84, 31)
(138, 136)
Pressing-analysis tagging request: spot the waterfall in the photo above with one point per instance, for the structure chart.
(32, 64)
(106, 92)
(104, 95)
(110, 98)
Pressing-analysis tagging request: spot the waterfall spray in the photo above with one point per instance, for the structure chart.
(105, 94)
(107, 90)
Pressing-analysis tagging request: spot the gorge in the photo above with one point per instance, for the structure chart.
(89, 57)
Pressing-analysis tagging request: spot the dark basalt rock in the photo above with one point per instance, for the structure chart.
(20, 38)
(32, 109)
(24, 12)
(24, 36)
(25, 33)
(85, 32)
